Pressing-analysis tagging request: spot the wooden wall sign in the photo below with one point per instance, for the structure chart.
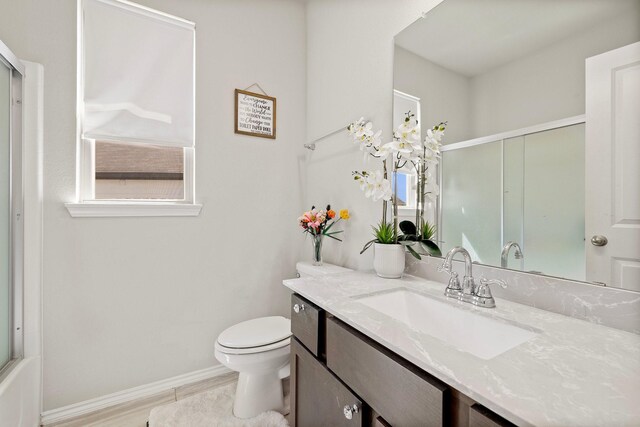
(255, 114)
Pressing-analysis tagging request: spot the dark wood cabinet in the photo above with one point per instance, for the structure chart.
(307, 323)
(318, 398)
(386, 389)
(401, 393)
(479, 416)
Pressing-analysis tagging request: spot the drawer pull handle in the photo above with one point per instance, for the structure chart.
(350, 410)
(298, 308)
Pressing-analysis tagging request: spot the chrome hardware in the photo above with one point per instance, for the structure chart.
(598, 240)
(453, 289)
(479, 295)
(298, 308)
(483, 297)
(468, 285)
(350, 410)
(297, 275)
(504, 255)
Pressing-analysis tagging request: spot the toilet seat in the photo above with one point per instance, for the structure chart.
(255, 336)
(253, 350)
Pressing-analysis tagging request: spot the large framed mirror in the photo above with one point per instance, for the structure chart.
(540, 164)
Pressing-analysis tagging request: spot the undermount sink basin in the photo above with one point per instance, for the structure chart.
(479, 335)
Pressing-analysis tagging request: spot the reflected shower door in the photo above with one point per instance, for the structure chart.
(554, 191)
(5, 215)
(472, 202)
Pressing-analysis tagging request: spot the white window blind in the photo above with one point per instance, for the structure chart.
(138, 75)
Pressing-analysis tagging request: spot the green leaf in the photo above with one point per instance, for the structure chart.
(430, 247)
(368, 245)
(408, 227)
(329, 226)
(334, 238)
(384, 233)
(413, 252)
(428, 231)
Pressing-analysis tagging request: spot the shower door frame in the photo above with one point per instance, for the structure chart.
(16, 232)
(499, 137)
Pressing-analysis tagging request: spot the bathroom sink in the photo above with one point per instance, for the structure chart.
(473, 333)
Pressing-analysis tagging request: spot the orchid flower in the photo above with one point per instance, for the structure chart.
(374, 185)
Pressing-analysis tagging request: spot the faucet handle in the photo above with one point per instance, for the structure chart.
(483, 297)
(445, 267)
(484, 291)
(453, 290)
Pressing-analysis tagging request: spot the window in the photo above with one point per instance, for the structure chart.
(126, 171)
(403, 103)
(136, 111)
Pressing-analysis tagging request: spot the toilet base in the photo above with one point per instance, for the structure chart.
(257, 393)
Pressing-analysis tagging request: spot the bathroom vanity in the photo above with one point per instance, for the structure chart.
(375, 352)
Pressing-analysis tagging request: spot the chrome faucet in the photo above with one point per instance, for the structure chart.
(504, 256)
(468, 285)
(468, 292)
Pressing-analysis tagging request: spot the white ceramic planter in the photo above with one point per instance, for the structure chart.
(388, 260)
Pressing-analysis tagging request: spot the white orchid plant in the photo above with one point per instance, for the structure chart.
(406, 150)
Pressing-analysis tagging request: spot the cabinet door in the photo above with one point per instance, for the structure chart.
(306, 324)
(398, 391)
(318, 398)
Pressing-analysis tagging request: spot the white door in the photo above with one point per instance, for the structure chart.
(612, 219)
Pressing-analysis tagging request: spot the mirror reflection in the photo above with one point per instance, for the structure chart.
(540, 170)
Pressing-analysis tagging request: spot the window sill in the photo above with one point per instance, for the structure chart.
(131, 209)
(406, 211)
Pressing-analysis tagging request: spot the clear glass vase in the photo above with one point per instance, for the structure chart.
(317, 249)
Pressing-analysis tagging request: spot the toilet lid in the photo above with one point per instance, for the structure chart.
(256, 332)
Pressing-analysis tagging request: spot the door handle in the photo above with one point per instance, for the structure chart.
(349, 410)
(598, 240)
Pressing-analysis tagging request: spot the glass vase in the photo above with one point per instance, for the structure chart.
(317, 249)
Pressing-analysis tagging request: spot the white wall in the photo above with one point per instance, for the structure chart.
(350, 74)
(129, 301)
(547, 85)
(444, 95)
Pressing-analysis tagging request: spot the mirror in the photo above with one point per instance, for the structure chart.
(540, 166)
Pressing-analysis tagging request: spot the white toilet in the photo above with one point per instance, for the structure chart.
(259, 349)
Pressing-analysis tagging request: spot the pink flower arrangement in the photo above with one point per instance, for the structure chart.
(318, 222)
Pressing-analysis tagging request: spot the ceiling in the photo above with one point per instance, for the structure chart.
(471, 37)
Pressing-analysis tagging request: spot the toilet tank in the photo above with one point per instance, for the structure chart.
(307, 269)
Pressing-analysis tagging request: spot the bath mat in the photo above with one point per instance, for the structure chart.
(212, 408)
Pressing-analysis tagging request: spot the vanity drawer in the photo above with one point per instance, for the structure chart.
(307, 322)
(318, 398)
(479, 416)
(394, 388)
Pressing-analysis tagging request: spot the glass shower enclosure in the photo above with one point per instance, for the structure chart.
(528, 189)
(11, 232)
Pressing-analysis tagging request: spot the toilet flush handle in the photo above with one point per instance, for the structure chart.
(298, 308)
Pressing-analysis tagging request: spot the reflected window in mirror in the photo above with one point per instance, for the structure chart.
(403, 104)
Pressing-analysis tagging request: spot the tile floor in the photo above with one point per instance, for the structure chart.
(135, 414)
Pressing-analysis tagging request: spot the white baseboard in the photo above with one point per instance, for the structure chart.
(124, 396)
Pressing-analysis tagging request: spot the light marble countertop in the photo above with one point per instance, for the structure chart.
(572, 373)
